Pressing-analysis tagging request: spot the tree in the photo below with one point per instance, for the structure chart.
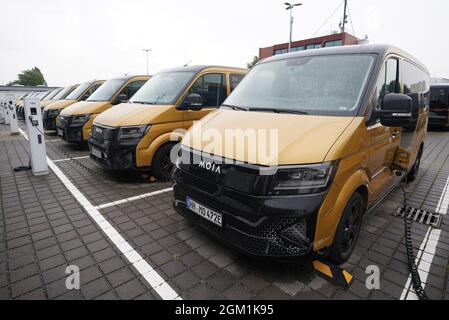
(30, 77)
(251, 64)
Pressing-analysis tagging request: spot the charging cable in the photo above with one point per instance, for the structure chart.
(411, 258)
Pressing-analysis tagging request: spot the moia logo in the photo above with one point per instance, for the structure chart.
(210, 167)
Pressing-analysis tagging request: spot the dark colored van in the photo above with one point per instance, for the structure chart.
(439, 106)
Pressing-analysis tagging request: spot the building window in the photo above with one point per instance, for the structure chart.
(335, 43)
(300, 48)
(280, 51)
(313, 46)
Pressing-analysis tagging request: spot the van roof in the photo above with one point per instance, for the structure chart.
(200, 68)
(130, 77)
(379, 49)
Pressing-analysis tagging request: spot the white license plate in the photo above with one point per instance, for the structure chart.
(206, 213)
(60, 132)
(97, 153)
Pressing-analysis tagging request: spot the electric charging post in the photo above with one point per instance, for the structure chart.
(36, 137)
(2, 112)
(11, 105)
(5, 110)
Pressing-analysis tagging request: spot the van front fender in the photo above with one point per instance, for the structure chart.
(332, 209)
(146, 152)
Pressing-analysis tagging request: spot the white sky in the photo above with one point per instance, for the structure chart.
(77, 40)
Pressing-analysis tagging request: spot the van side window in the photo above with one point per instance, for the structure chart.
(416, 86)
(235, 79)
(91, 90)
(388, 82)
(132, 87)
(212, 87)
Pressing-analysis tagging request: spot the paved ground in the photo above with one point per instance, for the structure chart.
(141, 249)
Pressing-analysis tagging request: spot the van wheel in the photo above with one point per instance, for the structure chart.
(348, 230)
(162, 165)
(413, 174)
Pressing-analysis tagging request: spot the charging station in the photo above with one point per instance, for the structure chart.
(2, 112)
(5, 110)
(11, 106)
(36, 137)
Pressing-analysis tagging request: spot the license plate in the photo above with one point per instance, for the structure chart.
(97, 153)
(206, 213)
(60, 132)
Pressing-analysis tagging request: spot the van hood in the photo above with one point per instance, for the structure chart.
(290, 139)
(127, 114)
(86, 107)
(60, 104)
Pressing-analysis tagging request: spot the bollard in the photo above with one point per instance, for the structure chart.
(11, 106)
(36, 137)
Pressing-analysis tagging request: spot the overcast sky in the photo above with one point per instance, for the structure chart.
(73, 41)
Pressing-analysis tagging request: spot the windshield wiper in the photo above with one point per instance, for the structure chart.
(279, 111)
(235, 107)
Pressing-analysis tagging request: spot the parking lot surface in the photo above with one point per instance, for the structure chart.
(120, 230)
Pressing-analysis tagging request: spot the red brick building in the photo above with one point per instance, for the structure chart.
(333, 40)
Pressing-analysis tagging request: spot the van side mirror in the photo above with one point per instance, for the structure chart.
(396, 110)
(194, 102)
(122, 98)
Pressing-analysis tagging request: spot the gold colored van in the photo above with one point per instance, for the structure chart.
(137, 135)
(75, 122)
(327, 134)
(79, 93)
(50, 98)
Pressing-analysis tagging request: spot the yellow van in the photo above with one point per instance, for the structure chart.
(137, 135)
(75, 122)
(326, 133)
(76, 93)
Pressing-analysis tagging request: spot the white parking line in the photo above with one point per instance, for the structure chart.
(427, 249)
(68, 159)
(159, 285)
(143, 196)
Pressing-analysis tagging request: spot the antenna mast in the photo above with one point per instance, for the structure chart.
(345, 18)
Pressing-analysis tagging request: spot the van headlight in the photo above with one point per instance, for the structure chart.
(306, 179)
(81, 119)
(134, 132)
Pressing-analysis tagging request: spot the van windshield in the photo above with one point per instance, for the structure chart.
(107, 90)
(318, 85)
(75, 94)
(51, 95)
(163, 88)
(63, 93)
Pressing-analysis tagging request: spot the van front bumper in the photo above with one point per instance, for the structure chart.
(114, 155)
(278, 227)
(71, 133)
(438, 120)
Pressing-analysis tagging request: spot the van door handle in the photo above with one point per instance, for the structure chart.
(396, 133)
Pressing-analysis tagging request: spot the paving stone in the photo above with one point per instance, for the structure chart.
(24, 286)
(130, 290)
(120, 276)
(95, 288)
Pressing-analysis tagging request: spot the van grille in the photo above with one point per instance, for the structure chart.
(241, 177)
(104, 133)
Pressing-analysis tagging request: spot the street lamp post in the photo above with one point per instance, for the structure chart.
(290, 7)
(148, 62)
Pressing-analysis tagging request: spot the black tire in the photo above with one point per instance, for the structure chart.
(162, 166)
(413, 173)
(348, 230)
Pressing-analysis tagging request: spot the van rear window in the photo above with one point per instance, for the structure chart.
(316, 85)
